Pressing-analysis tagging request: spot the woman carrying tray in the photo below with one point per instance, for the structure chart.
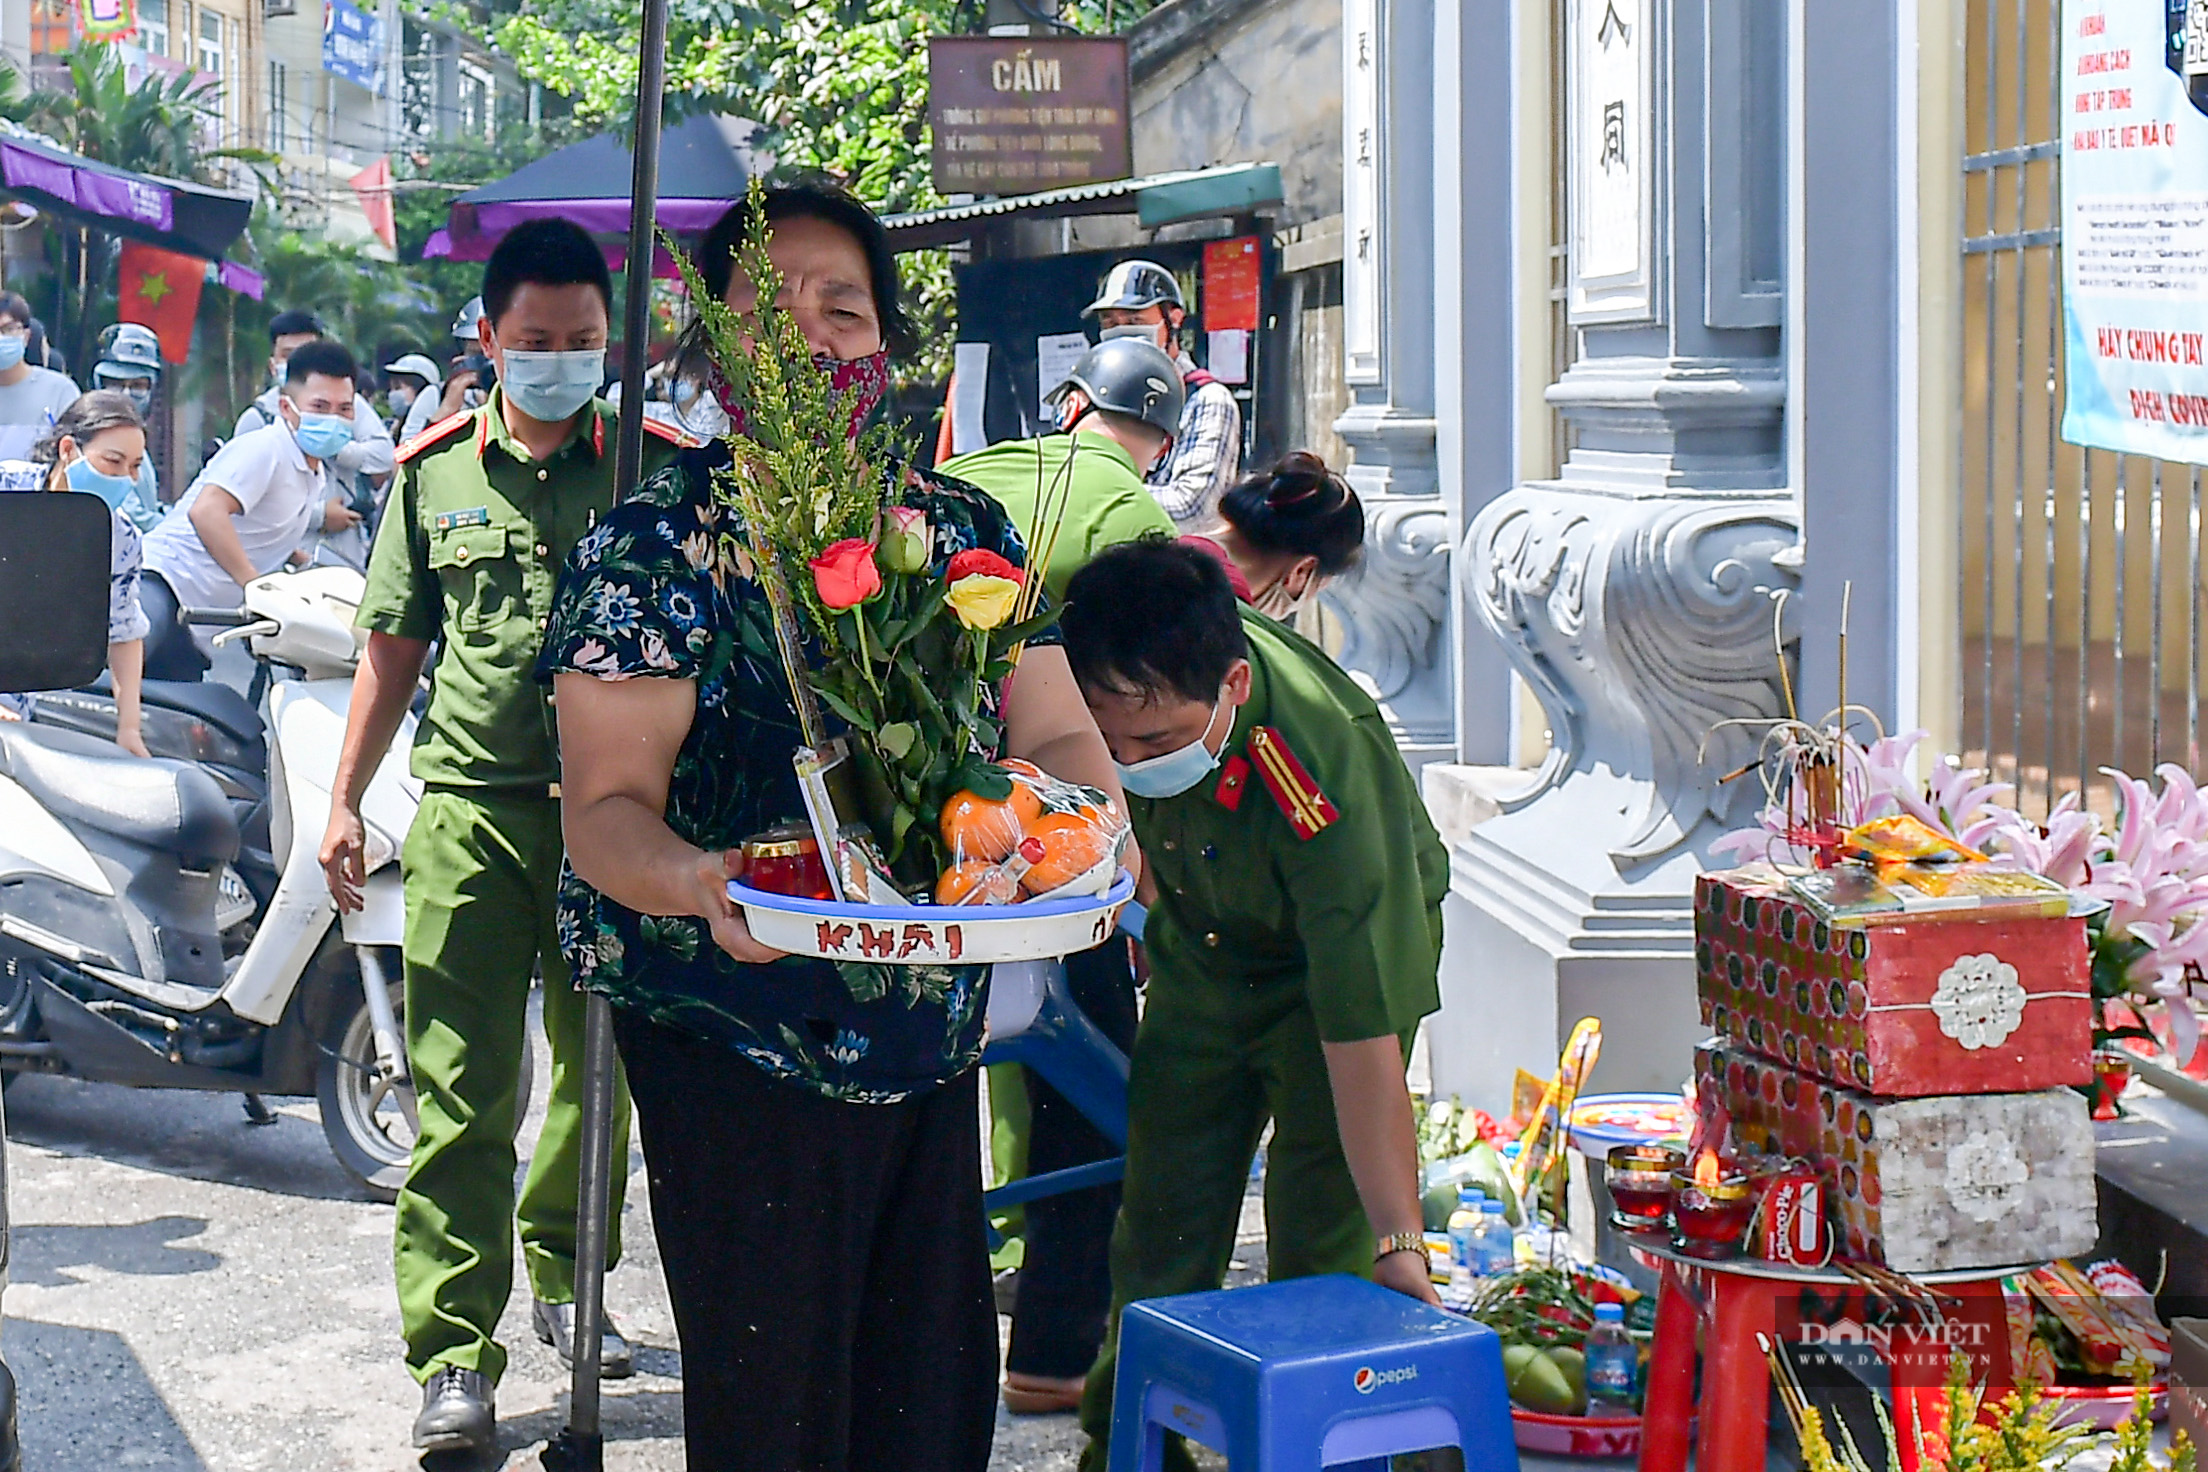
(811, 1128)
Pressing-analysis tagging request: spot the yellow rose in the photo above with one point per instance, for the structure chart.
(982, 601)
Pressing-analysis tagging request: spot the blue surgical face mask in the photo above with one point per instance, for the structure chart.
(1175, 772)
(113, 489)
(11, 351)
(551, 387)
(323, 435)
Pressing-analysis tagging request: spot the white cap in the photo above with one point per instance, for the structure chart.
(418, 365)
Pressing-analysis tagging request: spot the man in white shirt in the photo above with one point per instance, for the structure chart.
(370, 454)
(251, 508)
(30, 397)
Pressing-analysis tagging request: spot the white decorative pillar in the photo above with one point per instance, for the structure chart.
(1396, 605)
(1635, 592)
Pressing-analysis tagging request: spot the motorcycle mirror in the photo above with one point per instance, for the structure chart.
(55, 560)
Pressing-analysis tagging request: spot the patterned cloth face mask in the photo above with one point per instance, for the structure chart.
(860, 383)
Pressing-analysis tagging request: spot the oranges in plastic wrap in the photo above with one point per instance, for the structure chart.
(1060, 832)
(960, 883)
(989, 829)
(1073, 844)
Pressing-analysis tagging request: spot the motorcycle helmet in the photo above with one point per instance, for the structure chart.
(1128, 376)
(1133, 285)
(463, 326)
(128, 350)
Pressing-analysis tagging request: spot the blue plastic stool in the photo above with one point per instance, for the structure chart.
(1310, 1373)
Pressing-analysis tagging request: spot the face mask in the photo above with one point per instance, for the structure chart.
(113, 489)
(401, 400)
(141, 399)
(859, 383)
(685, 392)
(1276, 602)
(11, 351)
(276, 376)
(551, 387)
(323, 435)
(1175, 772)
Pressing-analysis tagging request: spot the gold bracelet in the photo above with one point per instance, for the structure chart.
(1396, 1242)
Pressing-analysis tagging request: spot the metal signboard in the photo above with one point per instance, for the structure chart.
(352, 45)
(1019, 114)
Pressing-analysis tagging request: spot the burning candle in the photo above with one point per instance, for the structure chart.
(1711, 1209)
(1641, 1181)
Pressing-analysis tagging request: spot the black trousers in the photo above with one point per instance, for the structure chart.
(170, 652)
(827, 1264)
(1065, 1272)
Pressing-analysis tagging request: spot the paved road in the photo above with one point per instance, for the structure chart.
(189, 1292)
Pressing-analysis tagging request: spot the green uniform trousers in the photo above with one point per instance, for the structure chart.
(482, 876)
(1200, 1089)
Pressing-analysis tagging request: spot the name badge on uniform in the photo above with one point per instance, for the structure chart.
(448, 521)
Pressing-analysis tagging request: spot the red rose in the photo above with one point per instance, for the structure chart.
(981, 563)
(844, 573)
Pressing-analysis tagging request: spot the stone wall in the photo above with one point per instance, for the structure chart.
(1237, 81)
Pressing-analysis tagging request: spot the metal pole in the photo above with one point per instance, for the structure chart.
(581, 1447)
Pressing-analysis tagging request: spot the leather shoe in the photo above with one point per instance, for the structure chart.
(457, 1415)
(555, 1323)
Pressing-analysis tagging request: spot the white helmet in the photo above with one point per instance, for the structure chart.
(419, 366)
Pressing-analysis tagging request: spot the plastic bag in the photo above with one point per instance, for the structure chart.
(1047, 839)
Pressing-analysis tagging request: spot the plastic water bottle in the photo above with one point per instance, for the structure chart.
(1464, 1225)
(1613, 1364)
(1498, 1244)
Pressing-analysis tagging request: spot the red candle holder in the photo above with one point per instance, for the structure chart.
(1711, 1216)
(1642, 1179)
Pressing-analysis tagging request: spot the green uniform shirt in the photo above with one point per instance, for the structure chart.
(1106, 501)
(471, 546)
(1254, 919)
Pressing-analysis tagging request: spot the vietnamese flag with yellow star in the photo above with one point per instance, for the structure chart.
(160, 289)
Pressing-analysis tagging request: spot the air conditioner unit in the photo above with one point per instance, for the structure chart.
(273, 8)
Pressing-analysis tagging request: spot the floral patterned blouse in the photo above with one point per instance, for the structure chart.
(646, 593)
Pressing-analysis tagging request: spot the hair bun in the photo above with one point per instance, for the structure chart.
(1297, 480)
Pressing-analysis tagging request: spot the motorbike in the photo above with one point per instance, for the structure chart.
(164, 922)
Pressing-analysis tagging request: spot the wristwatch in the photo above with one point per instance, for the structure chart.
(1396, 1242)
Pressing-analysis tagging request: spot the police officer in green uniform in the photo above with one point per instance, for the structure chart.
(1295, 885)
(1116, 413)
(487, 505)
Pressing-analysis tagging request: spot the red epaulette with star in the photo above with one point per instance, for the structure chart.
(436, 433)
(1299, 798)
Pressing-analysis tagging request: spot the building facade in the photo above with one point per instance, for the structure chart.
(1684, 336)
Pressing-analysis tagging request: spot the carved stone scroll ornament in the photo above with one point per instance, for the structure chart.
(1640, 624)
(1394, 606)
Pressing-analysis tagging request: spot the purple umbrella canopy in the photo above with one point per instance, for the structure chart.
(195, 219)
(705, 165)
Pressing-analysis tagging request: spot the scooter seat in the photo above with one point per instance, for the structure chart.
(160, 804)
(210, 700)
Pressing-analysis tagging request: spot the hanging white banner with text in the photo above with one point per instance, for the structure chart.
(2134, 131)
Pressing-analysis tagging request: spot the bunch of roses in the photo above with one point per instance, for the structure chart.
(981, 588)
(908, 659)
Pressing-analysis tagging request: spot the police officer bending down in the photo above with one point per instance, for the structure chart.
(1294, 936)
